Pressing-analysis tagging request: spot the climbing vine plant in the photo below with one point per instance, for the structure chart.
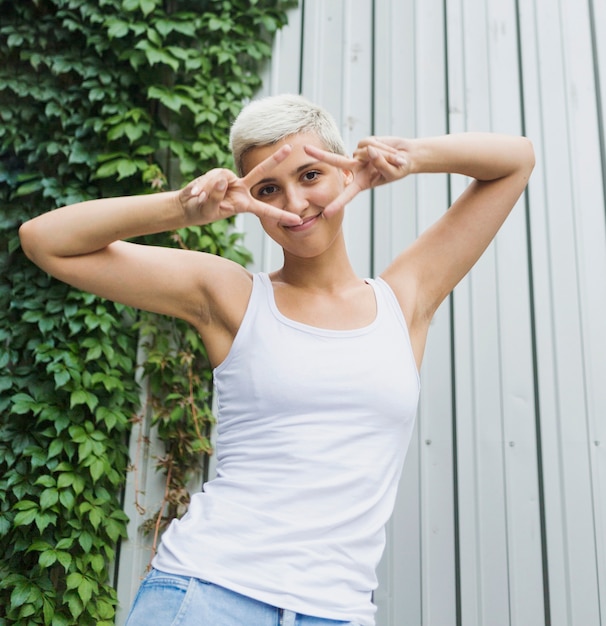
(102, 98)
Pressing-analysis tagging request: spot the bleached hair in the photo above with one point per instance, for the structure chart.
(266, 121)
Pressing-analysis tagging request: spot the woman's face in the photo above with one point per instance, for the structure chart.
(302, 185)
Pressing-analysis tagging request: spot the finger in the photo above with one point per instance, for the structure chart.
(391, 154)
(196, 188)
(376, 142)
(390, 166)
(264, 211)
(218, 189)
(208, 183)
(267, 211)
(266, 166)
(338, 160)
(344, 198)
(199, 193)
(386, 143)
(362, 151)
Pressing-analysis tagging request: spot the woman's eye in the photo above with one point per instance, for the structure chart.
(310, 176)
(267, 190)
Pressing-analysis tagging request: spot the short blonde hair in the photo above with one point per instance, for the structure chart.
(268, 120)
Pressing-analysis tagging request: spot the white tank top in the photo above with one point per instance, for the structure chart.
(312, 430)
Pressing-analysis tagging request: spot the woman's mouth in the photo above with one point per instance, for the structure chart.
(305, 224)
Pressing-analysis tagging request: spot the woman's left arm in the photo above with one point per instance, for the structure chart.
(442, 255)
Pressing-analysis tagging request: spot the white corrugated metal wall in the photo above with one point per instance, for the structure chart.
(501, 516)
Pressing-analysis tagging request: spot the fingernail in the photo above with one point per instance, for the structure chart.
(221, 185)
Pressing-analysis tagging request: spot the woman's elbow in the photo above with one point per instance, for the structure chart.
(528, 156)
(27, 236)
(34, 242)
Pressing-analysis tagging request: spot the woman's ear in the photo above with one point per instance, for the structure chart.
(347, 177)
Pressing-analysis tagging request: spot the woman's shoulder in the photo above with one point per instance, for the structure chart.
(227, 288)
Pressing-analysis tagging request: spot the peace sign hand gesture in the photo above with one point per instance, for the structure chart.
(376, 161)
(220, 194)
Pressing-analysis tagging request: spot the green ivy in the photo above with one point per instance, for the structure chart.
(102, 98)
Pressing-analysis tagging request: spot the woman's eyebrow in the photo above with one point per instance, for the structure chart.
(305, 166)
(270, 179)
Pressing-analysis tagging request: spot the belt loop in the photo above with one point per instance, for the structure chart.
(287, 618)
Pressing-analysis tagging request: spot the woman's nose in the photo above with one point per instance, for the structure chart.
(296, 201)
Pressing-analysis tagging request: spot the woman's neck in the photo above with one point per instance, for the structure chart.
(317, 272)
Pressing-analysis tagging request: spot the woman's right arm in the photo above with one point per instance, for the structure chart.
(84, 245)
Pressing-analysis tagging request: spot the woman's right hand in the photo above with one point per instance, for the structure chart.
(220, 194)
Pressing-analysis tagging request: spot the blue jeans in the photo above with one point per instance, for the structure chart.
(171, 600)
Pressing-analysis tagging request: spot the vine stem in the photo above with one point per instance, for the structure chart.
(192, 401)
(159, 516)
(141, 441)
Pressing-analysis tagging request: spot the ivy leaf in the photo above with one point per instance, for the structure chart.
(85, 540)
(74, 603)
(25, 518)
(156, 55)
(216, 23)
(48, 558)
(74, 580)
(14, 40)
(168, 98)
(27, 609)
(81, 396)
(79, 153)
(107, 170)
(164, 26)
(130, 5)
(28, 188)
(25, 505)
(55, 448)
(48, 609)
(96, 94)
(67, 499)
(46, 480)
(85, 591)
(97, 564)
(23, 403)
(116, 28)
(109, 416)
(6, 382)
(49, 498)
(96, 471)
(65, 558)
(39, 546)
(147, 6)
(62, 377)
(20, 593)
(45, 519)
(126, 168)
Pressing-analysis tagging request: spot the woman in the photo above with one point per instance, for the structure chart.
(316, 369)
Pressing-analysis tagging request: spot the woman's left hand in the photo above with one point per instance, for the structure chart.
(376, 161)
